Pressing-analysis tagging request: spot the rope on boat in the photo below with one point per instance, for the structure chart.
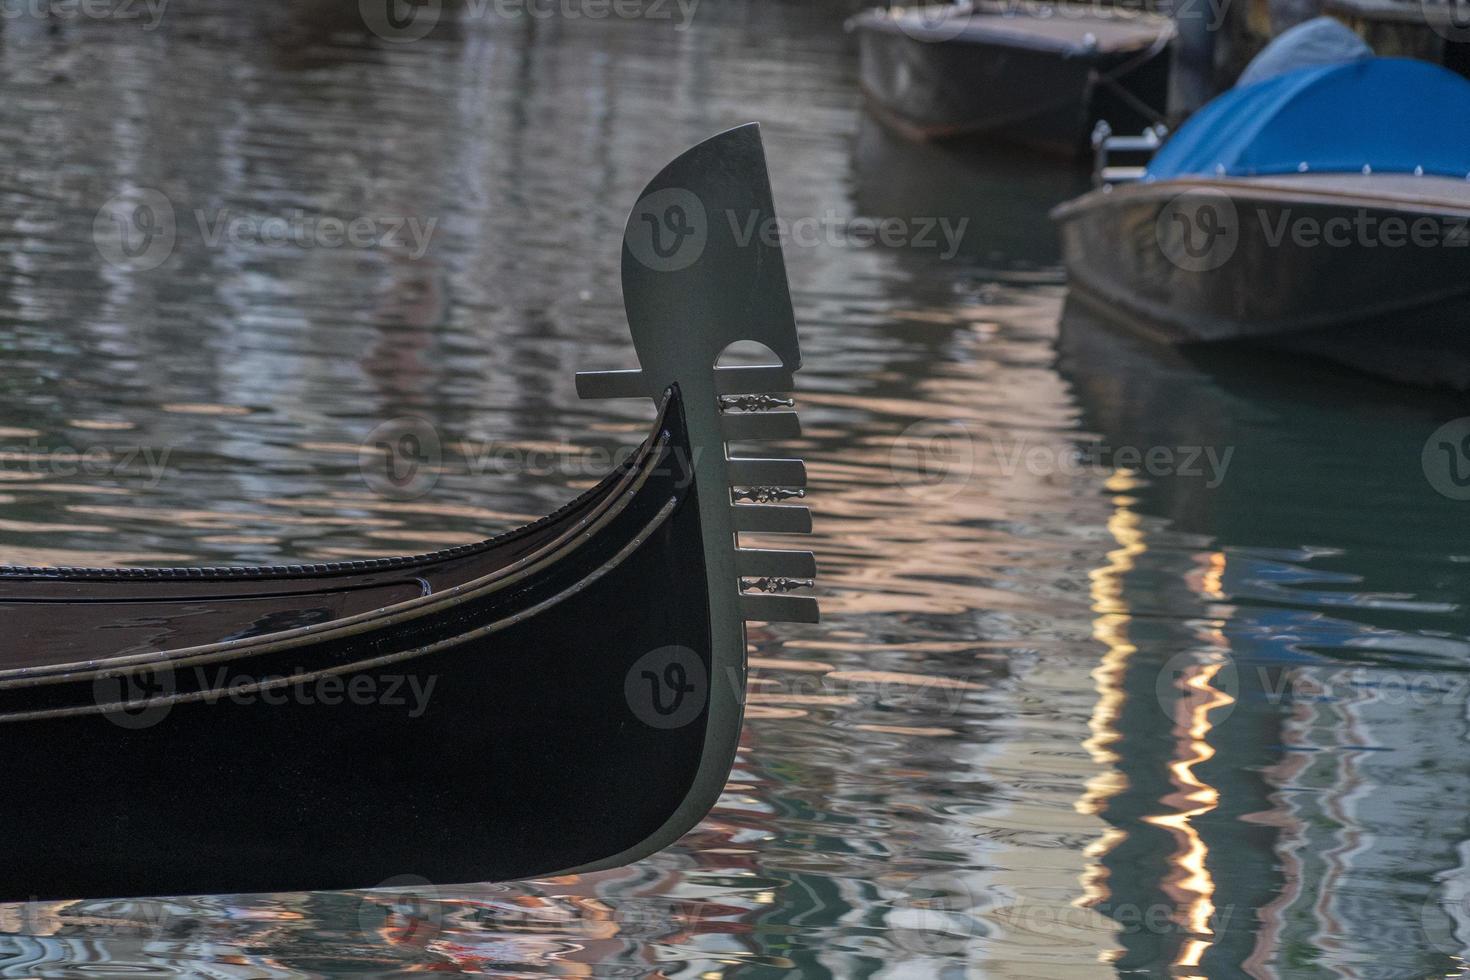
(1111, 79)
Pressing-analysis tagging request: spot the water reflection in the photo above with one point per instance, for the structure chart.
(1062, 719)
(1299, 625)
(1002, 193)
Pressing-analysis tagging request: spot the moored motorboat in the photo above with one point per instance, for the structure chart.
(562, 698)
(1322, 210)
(1041, 75)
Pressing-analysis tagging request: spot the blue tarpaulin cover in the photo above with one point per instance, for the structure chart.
(1319, 41)
(1393, 115)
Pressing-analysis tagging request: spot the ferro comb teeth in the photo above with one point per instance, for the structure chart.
(759, 426)
(780, 608)
(767, 472)
(754, 562)
(689, 298)
(772, 519)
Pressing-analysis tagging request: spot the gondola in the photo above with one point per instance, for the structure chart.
(1042, 77)
(1313, 210)
(562, 698)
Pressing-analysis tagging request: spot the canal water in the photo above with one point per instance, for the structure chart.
(1133, 662)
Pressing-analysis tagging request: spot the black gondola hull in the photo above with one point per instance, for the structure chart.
(510, 730)
(560, 699)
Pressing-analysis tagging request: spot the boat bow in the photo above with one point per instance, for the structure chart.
(577, 685)
(700, 275)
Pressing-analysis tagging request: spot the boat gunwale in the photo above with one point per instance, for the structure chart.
(399, 656)
(1151, 30)
(1162, 322)
(934, 133)
(1274, 189)
(615, 501)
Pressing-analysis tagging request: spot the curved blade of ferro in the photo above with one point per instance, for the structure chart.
(702, 270)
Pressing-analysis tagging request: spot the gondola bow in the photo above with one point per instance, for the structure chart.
(449, 717)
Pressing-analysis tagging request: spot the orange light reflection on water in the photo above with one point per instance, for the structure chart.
(1188, 883)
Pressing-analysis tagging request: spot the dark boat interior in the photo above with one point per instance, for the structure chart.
(70, 615)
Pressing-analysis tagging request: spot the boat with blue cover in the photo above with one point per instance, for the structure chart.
(1322, 209)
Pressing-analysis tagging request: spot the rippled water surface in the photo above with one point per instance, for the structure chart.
(1132, 663)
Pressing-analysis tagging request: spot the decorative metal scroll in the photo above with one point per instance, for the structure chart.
(702, 272)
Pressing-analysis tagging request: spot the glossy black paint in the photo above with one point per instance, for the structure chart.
(525, 758)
